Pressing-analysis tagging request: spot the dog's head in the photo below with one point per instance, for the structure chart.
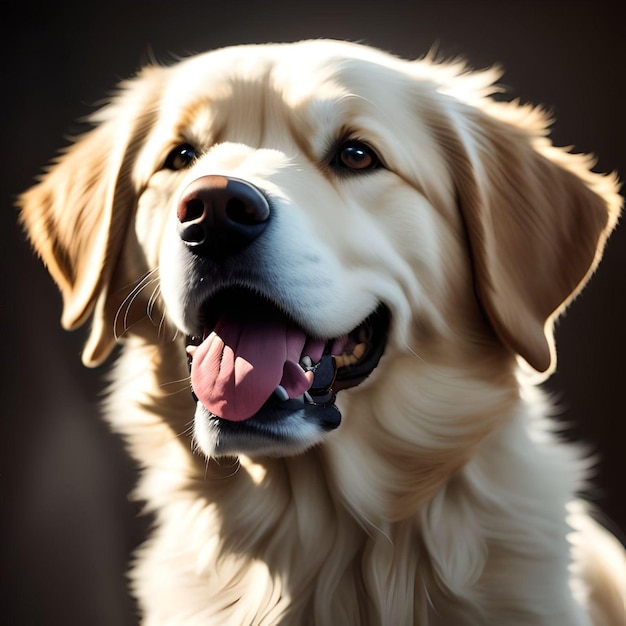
(308, 211)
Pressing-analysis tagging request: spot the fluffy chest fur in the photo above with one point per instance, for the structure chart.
(309, 540)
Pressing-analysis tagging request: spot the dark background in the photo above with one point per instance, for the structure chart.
(68, 526)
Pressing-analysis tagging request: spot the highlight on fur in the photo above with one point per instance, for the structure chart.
(444, 496)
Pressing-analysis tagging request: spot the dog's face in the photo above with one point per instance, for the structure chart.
(288, 235)
(311, 211)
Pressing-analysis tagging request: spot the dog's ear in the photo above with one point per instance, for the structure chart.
(536, 218)
(77, 216)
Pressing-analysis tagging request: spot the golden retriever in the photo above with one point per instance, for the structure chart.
(360, 258)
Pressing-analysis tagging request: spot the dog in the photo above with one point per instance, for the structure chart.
(334, 275)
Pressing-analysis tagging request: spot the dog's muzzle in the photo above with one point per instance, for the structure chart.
(262, 381)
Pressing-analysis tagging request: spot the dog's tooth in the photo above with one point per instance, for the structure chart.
(281, 393)
(308, 398)
(341, 360)
(306, 362)
(359, 350)
(191, 350)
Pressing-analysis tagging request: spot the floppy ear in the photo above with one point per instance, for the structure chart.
(536, 218)
(78, 215)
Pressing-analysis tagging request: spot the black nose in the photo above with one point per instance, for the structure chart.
(219, 216)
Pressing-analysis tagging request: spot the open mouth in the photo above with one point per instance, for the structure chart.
(258, 375)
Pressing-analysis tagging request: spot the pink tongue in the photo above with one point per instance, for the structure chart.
(240, 364)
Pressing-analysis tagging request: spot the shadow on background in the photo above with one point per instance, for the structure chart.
(68, 527)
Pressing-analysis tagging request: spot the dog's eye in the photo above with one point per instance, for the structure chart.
(180, 157)
(356, 156)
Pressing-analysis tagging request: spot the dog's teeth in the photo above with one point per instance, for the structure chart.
(350, 359)
(281, 393)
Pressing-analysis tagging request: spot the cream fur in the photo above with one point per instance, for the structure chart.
(444, 497)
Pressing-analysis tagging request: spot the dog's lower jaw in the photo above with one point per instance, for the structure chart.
(296, 433)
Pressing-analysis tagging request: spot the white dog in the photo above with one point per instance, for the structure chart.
(368, 255)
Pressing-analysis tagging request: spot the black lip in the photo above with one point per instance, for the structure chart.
(272, 431)
(352, 375)
(274, 413)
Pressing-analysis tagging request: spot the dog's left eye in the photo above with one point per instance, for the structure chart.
(180, 157)
(356, 156)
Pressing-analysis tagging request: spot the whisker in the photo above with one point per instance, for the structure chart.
(186, 379)
(236, 465)
(185, 389)
(161, 324)
(156, 294)
(187, 431)
(185, 386)
(126, 304)
(135, 296)
(440, 371)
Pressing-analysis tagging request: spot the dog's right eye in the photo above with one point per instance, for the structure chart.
(180, 157)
